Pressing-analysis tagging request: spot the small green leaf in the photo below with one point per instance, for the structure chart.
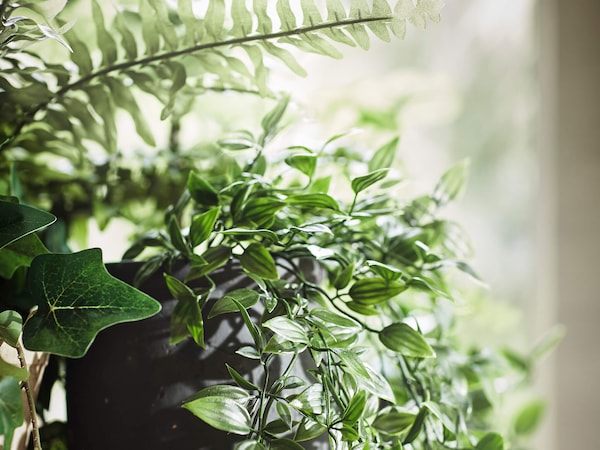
(403, 339)
(529, 417)
(76, 299)
(240, 380)
(258, 261)
(355, 408)
(393, 422)
(309, 429)
(178, 289)
(222, 413)
(11, 407)
(310, 400)
(176, 236)
(17, 221)
(285, 444)
(250, 445)
(105, 41)
(288, 329)
(491, 441)
(384, 156)
(203, 225)
(313, 201)
(214, 257)
(373, 291)
(304, 163)
(10, 370)
(229, 302)
(417, 425)
(186, 320)
(361, 183)
(270, 121)
(11, 325)
(261, 210)
(20, 254)
(451, 184)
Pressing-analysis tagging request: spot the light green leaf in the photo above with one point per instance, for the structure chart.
(215, 19)
(384, 156)
(150, 36)
(402, 339)
(105, 41)
(76, 299)
(355, 408)
(250, 445)
(230, 301)
(258, 261)
(10, 370)
(286, 15)
(393, 422)
(128, 42)
(11, 325)
(163, 25)
(11, 407)
(529, 417)
(363, 182)
(313, 201)
(310, 400)
(304, 163)
(288, 329)
(80, 54)
(310, 13)
(265, 24)
(242, 19)
(222, 413)
(451, 184)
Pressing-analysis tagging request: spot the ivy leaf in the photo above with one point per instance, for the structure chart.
(403, 339)
(20, 254)
(361, 183)
(11, 407)
(77, 298)
(17, 221)
(258, 261)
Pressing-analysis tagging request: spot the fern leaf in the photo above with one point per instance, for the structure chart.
(336, 13)
(149, 34)
(128, 41)
(264, 22)
(311, 14)
(286, 15)
(322, 47)
(193, 32)
(106, 43)
(90, 127)
(215, 19)
(260, 71)
(242, 19)
(125, 100)
(163, 24)
(284, 56)
(381, 8)
(101, 100)
(80, 55)
(360, 35)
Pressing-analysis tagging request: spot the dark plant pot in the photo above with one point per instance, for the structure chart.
(126, 393)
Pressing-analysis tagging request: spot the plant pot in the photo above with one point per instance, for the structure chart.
(126, 393)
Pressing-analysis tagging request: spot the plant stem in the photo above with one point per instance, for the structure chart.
(37, 443)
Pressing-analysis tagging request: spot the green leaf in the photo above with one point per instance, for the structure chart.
(309, 429)
(221, 412)
(313, 201)
(80, 54)
(384, 156)
(186, 320)
(285, 444)
(373, 291)
(11, 325)
(201, 190)
(128, 42)
(105, 41)
(258, 261)
(203, 225)
(240, 380)
(163, 24)
(214, 257)
(260, 210)
(242, 19)
(529, 417)
(250, 445)
(361, 183)
(230, 301)
(417, 425)
(270, 122)
(332, 318)
(491, 441)
(451, 184)
(310, 400)
(176, 236)
(17, 221)
(20, 254)
(402, 339)
(286, 57)
(76, 299)
(11, 407)
(215, 19)
(10, 370)
(304, 163)
(355, 408)
(393, 422)
(287, 329)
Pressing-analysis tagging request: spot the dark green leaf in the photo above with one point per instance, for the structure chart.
(250, 445)
(17, 221)
(258, 261)
(201, 190)
(214, 257)
(403, 339)
(176, 236)
(76, 299)
(361, 183)
(227, 304)
(11, 407)
(417, 425)
(260, 210)
(240, 380)
(285, 444)
(186, 320)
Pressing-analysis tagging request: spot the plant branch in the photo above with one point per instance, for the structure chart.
(185, 51)
(37, 443)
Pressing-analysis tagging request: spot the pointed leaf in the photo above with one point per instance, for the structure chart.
(227, 304)
(363, 182)
(105, 41)
(11, 325)
(451, 184)
(242, 19)
(313, 201)
(76, 299)
(202, 225)
(11, 407)
(288, 329)
(215, 19)
(258, 261)
(372, 291)
(393, 422)
(201, 190)
(491, 441)
(222, 413)
(403, 339)
(384, 156)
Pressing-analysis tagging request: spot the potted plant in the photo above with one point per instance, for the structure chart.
(354, 287)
